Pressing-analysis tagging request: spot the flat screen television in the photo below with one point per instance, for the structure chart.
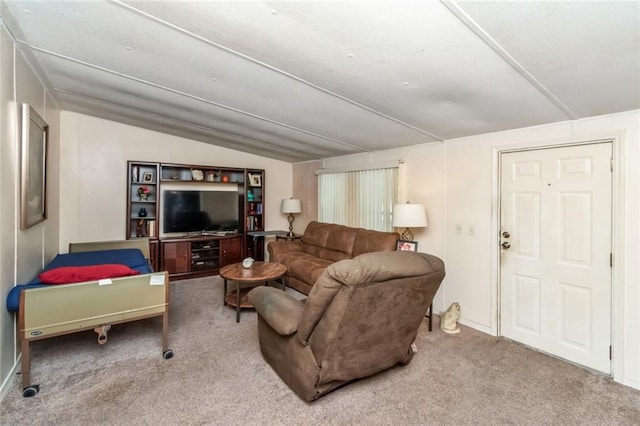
(188, 211)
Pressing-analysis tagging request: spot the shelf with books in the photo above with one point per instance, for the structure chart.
(142, 199)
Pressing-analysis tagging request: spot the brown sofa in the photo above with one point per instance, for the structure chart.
(323, 244)
(360, 318)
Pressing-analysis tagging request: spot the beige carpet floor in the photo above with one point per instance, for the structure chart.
(218, 376)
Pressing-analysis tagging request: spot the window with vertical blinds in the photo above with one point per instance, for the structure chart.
(362, 198)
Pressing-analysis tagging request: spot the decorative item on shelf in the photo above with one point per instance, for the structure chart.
(249, 195)
(142, 212)
(185, 174)
(197, 174)
(134, 174)
(255, 179)
(210, 176)
(225, 178)
(217, 176)
(409, 216)
(291, 206)
(247, 263)
(141, 229)
(174, 176)
(147, 177)
(143, 193)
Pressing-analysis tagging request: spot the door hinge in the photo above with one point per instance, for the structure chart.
(611, 260)
(610, 352)
(611, 163)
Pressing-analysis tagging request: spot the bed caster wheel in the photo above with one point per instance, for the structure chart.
(168, 354)
(30, 391)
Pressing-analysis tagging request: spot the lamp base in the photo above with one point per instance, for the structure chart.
(406, 235)
(290, 218)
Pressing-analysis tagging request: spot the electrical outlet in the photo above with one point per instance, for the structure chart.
(458, 229)
(471, 230)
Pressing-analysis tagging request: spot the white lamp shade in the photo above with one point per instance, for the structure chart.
(291, 205)
(409, 216)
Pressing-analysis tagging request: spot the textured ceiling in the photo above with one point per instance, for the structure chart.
(307, 80)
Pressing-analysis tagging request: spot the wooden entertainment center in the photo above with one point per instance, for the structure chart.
(194, 254)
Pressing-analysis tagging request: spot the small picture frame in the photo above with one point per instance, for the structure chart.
(406, 245)
(255, 179)
(147, 177)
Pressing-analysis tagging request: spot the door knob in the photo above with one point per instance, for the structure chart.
(505, 245)
(505, 234)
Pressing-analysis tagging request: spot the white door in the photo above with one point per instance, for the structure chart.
(555, 233)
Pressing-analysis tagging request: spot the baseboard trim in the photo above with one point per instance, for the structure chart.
(10, 380)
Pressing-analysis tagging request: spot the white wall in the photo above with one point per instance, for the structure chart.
(457, 183)
(470, 169)
(22, 252)
(94, 173)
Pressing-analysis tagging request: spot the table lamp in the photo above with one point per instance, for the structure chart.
(409, 216)
(291, 206)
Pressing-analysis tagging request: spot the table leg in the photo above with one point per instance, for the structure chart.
(255, 247)
(238, 301)
(224, 294)
(26, 364)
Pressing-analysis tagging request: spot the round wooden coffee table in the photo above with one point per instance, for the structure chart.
(260, 272)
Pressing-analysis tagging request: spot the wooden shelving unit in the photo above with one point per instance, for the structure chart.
(183, 257)
(142, 197)
(255, 211)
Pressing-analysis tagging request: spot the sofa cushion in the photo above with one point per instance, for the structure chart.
(334, 242)
(368, 241)
(304, 266)
(324, 253)
(316, 234)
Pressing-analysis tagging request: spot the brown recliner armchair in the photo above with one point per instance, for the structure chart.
(360, 318)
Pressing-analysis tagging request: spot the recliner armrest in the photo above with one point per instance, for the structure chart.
(281, 311)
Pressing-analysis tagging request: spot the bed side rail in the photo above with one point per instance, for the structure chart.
(60, 309)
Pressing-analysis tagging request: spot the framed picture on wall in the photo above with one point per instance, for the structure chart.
(147, 177)
(33, 191)
(406, 245)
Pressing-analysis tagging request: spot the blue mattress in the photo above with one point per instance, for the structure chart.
(133, 258)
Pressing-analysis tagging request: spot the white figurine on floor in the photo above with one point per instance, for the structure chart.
(449, 319)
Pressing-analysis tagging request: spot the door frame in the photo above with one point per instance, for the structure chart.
(618, 141)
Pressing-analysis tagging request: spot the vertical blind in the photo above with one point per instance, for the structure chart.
(362, 198)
